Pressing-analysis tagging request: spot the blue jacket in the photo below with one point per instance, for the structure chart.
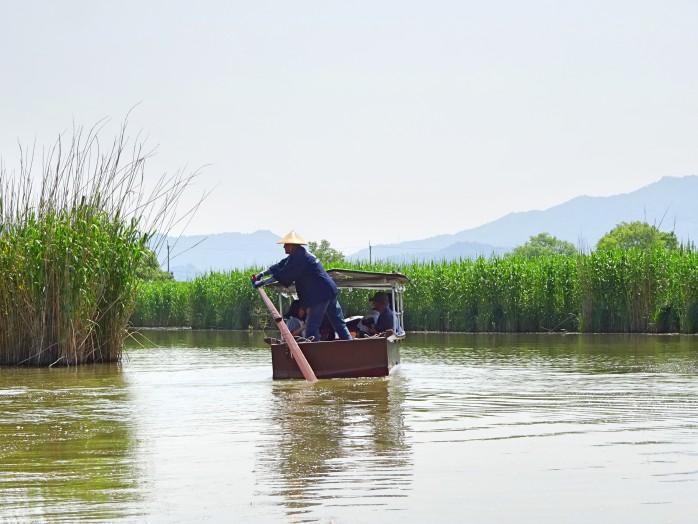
(313, 284)
(386, 320)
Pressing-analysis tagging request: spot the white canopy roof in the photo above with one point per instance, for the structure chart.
(352, 278)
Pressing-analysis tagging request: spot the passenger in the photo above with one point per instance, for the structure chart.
(316, 291)
(368, 320)
(326, 330)
(386, 316)
(294, 319)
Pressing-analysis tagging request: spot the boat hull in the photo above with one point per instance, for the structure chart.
(363, 357)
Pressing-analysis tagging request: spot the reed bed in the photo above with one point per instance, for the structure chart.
(635, 291)
(71, 241)
(163, 303)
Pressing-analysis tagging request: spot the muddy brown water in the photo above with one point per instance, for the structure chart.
(470, 428)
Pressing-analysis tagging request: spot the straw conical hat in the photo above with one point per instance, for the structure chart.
(293, 238)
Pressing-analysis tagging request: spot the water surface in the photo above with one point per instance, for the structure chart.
(476, 428)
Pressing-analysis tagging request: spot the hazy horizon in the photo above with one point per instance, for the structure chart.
(361, 122)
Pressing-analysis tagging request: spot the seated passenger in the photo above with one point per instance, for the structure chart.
(294, 319)
(386, 316)
(327, 330)
(368, 320)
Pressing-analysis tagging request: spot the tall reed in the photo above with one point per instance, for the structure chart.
(70, 246)
(163, 303)
(612, 291)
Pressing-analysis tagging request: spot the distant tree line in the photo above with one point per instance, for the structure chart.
(625, 236)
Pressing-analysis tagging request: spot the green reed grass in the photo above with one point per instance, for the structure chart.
(163, 303)
(71, 241)
(636, 291)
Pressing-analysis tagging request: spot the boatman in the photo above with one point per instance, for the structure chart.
(316, 291)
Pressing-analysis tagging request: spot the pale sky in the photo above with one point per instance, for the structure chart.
(366, 121)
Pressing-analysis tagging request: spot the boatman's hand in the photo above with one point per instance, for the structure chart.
(258, 283)
(254, 278)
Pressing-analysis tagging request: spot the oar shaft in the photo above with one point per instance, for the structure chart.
(298, 355)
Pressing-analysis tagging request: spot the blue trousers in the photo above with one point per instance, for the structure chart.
(334, 312)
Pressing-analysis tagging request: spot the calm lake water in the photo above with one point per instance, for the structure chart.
(470, 428)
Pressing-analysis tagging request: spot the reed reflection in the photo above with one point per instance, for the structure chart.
(586, 353)
(338, 439)
(66, 445)
(192, 338)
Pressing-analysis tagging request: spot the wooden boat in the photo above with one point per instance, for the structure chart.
(362, 357)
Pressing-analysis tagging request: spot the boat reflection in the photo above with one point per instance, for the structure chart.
(342, 440)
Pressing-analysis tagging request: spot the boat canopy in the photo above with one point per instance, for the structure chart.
(352, 278)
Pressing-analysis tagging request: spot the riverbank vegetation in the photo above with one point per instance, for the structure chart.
(73, 239)
(648, 289)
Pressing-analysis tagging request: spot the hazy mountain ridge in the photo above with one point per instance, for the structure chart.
(669, 204)
(196, 254)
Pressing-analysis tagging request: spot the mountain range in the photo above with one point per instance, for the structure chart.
(669, 204)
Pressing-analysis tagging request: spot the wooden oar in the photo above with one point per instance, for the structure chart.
(298, 355)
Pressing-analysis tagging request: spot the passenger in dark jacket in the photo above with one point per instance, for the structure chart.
(386, 316)
(316, 291)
